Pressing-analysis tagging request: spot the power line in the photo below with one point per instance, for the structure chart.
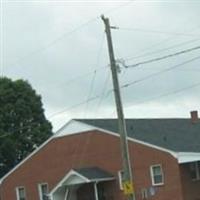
(162, 50)
(103, 93)
(167, 94)
(55, 41)
(159, 43)
(161, 58)
(72, 107)
(90, 90)
(160, 72)
(97, 64)
(64, 35)
(157, 32)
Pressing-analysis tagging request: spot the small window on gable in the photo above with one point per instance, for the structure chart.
(43, 191)
(21, 193)
(157, 176)
(195, 170)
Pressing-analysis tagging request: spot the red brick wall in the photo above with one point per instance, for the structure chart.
(143, 157)
(54, 160)
(191, 189)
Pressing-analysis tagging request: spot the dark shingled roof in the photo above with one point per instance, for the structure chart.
(178, 135)
(94, 173)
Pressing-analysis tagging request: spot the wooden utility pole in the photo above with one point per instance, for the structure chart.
(127, 179)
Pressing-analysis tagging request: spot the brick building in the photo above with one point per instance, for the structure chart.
(82, 161)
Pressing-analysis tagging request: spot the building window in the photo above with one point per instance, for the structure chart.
(157, 177)
(21, 194)
(195, 170)
(43, 191)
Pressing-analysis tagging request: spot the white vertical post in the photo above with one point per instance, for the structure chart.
(96, 191)
(66, 194)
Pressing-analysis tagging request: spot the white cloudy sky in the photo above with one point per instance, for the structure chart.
(60, 48)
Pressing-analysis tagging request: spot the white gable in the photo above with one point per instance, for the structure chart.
(73, 127)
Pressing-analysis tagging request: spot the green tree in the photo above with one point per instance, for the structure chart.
(23, 126)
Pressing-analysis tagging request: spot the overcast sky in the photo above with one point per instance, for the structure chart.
(61, 49)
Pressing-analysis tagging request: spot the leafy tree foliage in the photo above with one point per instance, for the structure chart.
(23, 126)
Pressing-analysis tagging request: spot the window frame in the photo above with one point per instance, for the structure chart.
(17, 192)
(40, 189)
(153, 175)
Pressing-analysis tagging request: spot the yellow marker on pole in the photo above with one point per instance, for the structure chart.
(128, 187)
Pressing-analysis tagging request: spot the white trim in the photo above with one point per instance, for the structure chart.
(40, 189)
(74, 172)
(70, 173)
(94, 128)
(33, 153)
(90, 128)
(102, 179)
(186, 157)
(17, 191)
(152, 175)
(25, 159)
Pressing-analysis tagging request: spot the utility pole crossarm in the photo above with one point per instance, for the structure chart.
(127, 172)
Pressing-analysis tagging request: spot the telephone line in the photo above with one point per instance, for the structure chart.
(161, 50)
(166, 94)
(94, 76)
(39, 50)
(160, 72)
(157, 32)
(161, 58)
(73, 106)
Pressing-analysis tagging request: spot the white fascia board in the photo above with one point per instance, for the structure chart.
(186, 157)
(76, 127)
(35, 151)
(103, 179)
(25, 159)
(174, 154)
(82, 127)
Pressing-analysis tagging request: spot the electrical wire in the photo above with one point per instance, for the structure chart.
(103, 93)
(174, 92)
(161, 72)
(157, 32)
(162, 58)
(66, 34)
(162, 50)
(72, 107)
(166, 94)
(159, 43)
(122, 87)
(50, 44)
(97, 64)
(90, 91)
